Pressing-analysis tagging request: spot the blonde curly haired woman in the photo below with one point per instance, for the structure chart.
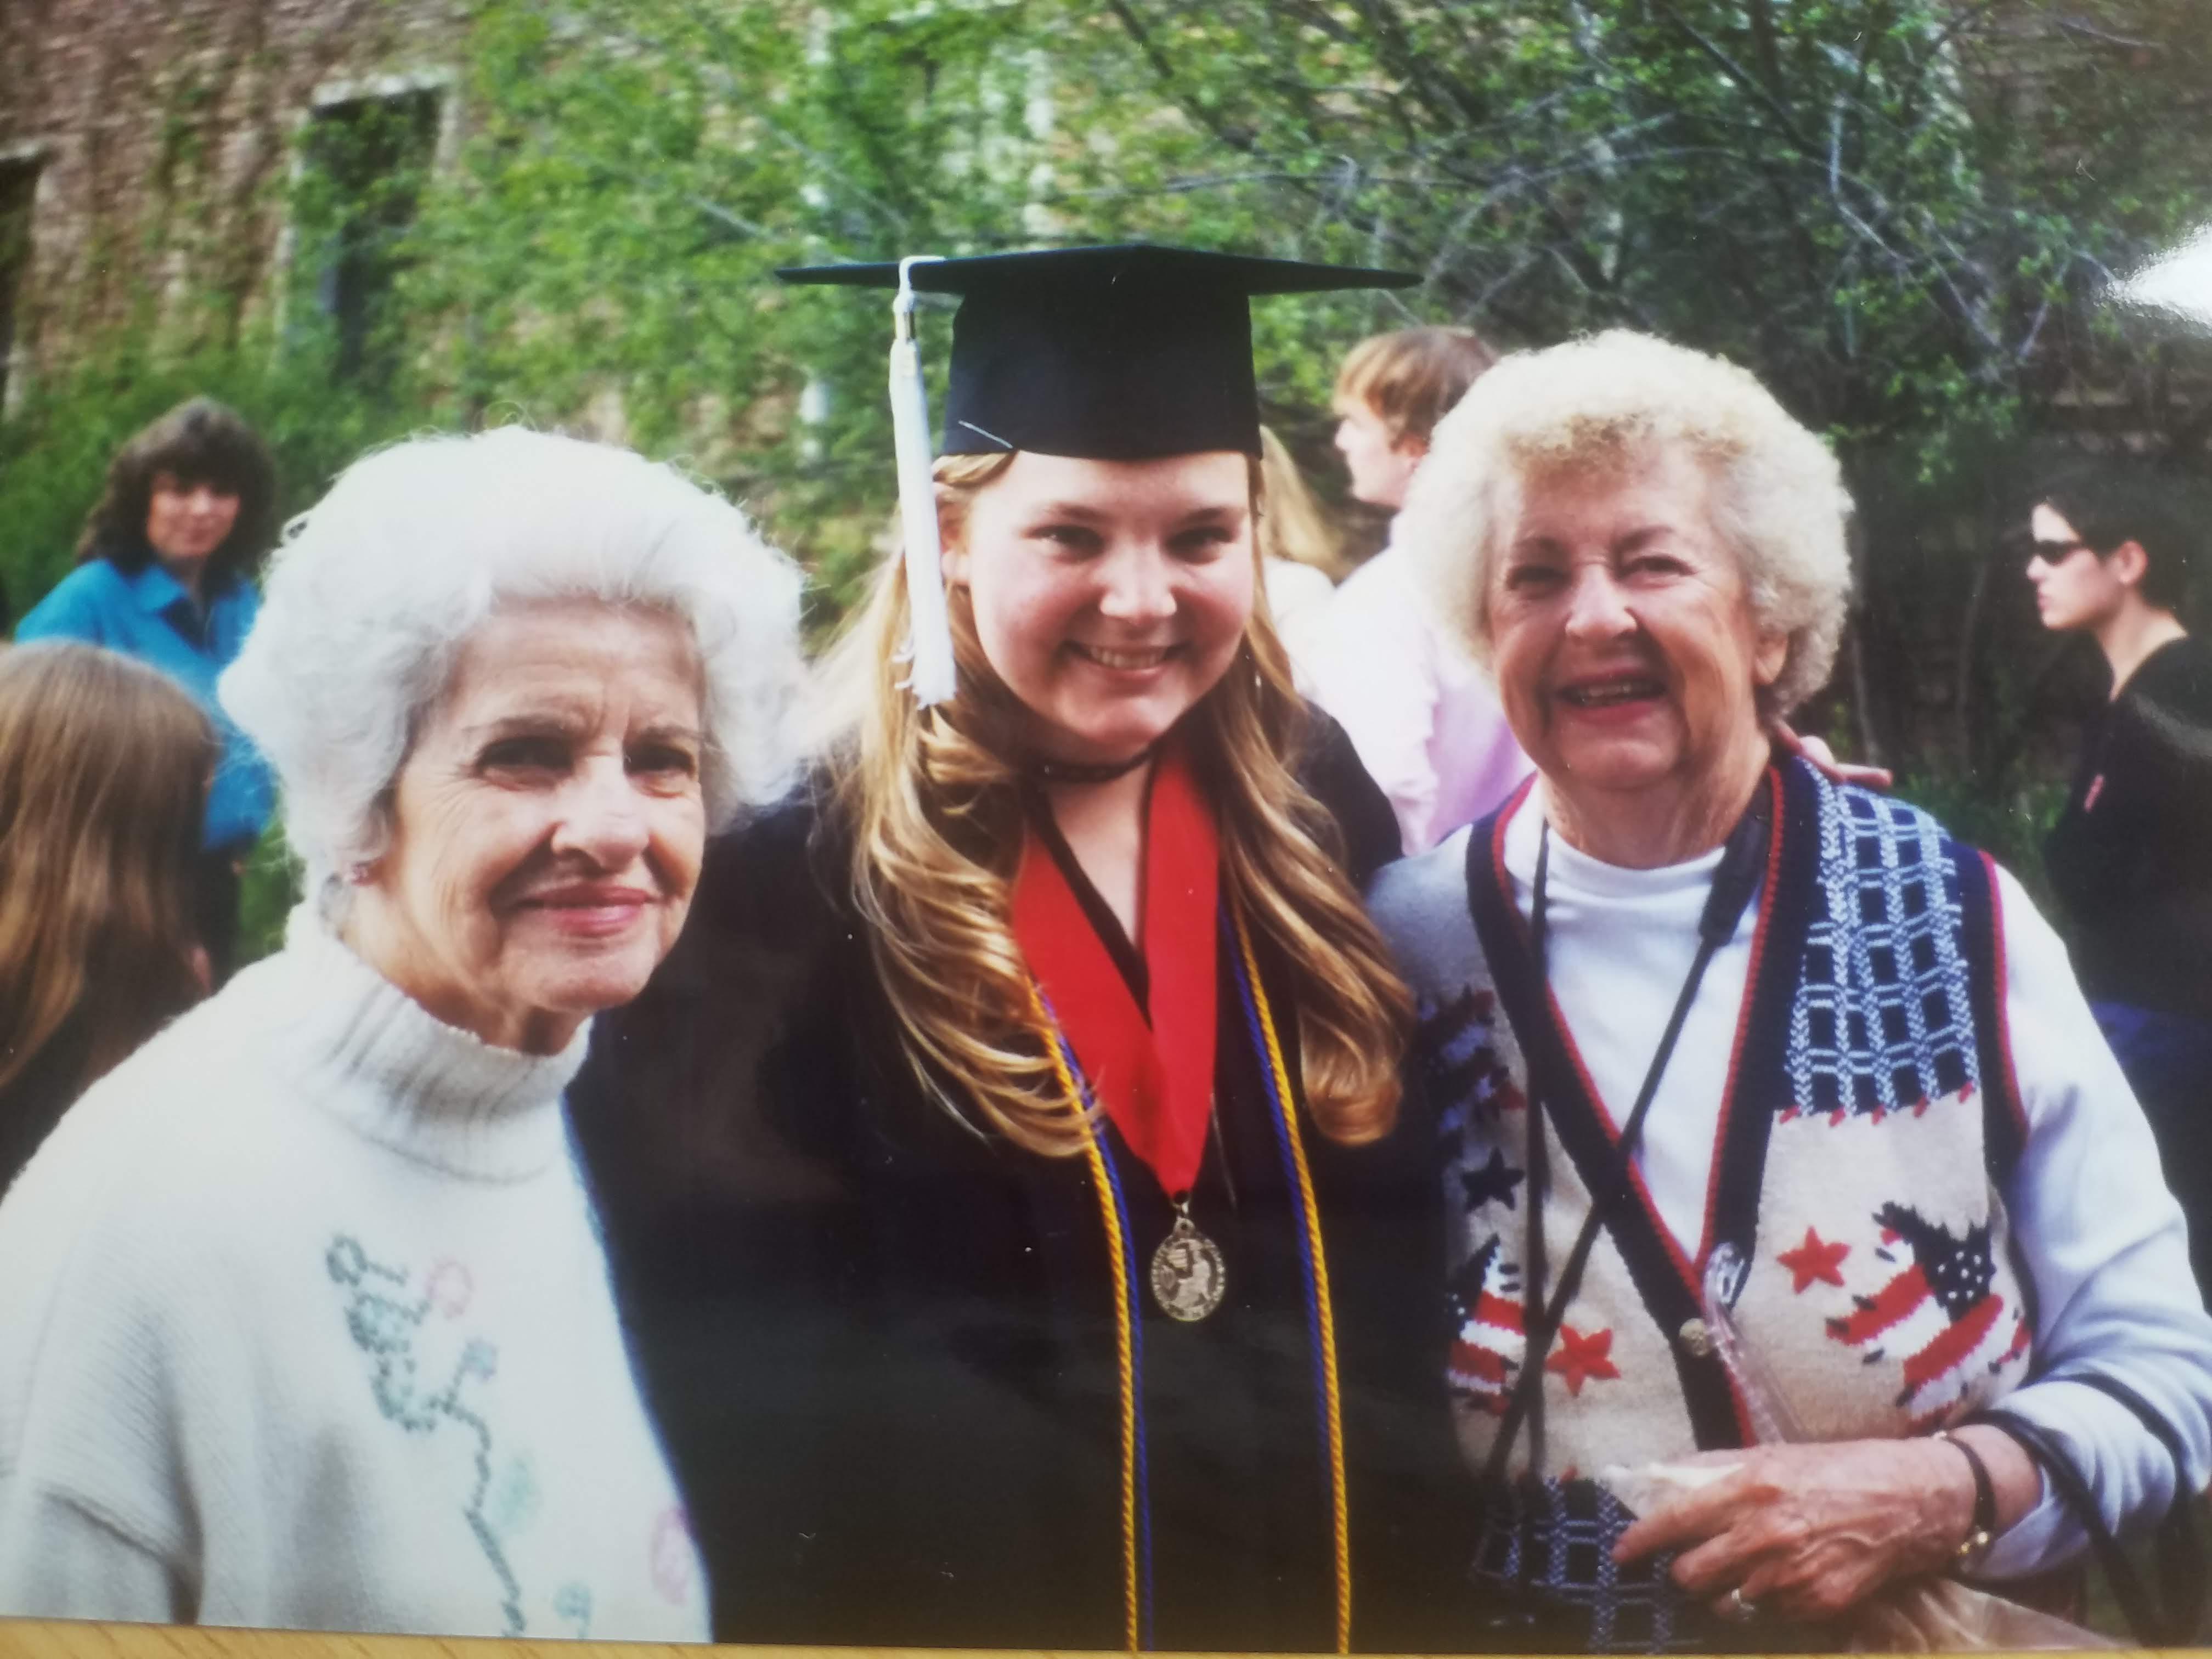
(1784, 1145)
(1023, 1239)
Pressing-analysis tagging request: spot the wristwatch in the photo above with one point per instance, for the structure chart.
(1981, 1531)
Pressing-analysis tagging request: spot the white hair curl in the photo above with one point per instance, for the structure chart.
(1778, 501)
(375, 589)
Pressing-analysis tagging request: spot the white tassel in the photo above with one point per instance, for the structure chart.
(931, 676)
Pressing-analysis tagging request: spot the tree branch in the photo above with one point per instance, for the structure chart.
(1738, 74)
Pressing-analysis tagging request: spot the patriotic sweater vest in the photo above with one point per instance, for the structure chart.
(1870, 1122)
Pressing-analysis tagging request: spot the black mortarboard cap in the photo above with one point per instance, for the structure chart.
(1113, 354)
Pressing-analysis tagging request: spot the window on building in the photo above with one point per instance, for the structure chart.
(366, 161)
(18, 181)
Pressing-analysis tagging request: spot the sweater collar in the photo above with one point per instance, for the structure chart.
(410, 1082)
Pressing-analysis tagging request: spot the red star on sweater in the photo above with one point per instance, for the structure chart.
(1814, 1261)
(1580, 1357)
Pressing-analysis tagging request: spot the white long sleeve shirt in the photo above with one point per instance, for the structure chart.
(2102, 1239)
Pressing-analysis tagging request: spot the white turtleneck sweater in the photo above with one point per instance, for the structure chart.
(305, 1321)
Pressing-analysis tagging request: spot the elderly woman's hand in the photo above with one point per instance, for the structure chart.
(1810, 1530)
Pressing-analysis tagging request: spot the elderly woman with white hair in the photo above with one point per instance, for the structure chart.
(1798, 1198)
(306, 1321)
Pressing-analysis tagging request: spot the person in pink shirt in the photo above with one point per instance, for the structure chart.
(1421, 716)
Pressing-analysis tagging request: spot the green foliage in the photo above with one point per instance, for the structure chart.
(321, 384)
(364, 167)
(637, 170)
(54, 453)
(268, 888)
(1877, 204)
(1899, 212)
(317, 410)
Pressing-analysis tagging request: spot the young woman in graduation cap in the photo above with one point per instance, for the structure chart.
(1022, 1239)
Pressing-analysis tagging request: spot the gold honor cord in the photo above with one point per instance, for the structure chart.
(1340, 1504)
(1117, 1247)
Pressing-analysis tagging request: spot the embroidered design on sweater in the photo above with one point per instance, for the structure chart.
(1862, 1172)
(1491, 1343)
(1938, 1313)
(573, 1601)
(1580, 1359)
(1815, 1261)
(383, 1314)
(1881, 1020)
(1456, 1045)
(1495, 1181)
(1453, 1045)
(673, 1562)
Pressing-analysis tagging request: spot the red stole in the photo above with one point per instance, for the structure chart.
(1155, 1080)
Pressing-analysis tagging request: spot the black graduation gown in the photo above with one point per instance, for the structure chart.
(880, 1348)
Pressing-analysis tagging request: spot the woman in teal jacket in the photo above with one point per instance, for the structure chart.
(164, 574)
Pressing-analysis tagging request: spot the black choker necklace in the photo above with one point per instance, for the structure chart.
(1058, 771)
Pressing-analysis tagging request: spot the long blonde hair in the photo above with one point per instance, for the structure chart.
(1294, 524)
(103, 768)
(938, 830)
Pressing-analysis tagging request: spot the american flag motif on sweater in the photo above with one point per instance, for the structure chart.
(1869, 1123)
(1940, 1313)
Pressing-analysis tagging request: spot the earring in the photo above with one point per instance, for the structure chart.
(360, 875)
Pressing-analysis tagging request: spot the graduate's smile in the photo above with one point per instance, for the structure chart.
(1124, 660)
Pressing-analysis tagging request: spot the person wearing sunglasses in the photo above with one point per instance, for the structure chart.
(2129, 858)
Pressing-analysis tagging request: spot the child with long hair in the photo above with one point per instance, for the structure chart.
(1023, 1238)
(103, 767)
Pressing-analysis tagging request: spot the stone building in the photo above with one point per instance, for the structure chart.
(147, 148)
